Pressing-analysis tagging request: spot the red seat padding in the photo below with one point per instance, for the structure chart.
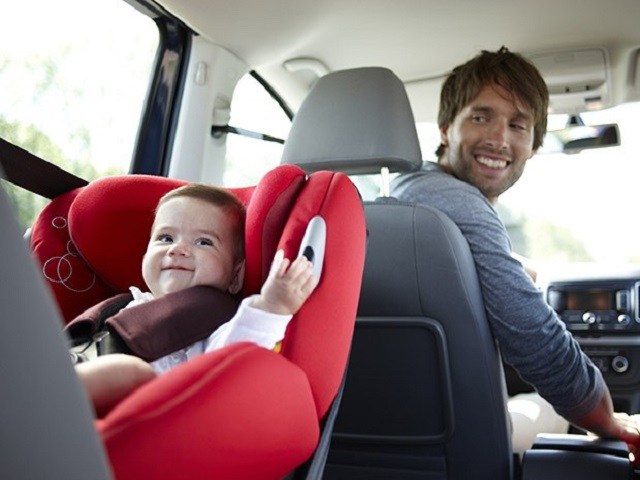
(226, 414)
(267, 212)
(74, 284)
(110, 222)
(319, 337)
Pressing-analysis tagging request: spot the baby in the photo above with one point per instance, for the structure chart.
(197, 238)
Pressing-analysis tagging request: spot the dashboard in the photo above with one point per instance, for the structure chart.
(601, 308)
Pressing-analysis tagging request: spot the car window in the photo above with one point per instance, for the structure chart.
(71, 91)
(573, 208)
(253, 109)
(577, 208)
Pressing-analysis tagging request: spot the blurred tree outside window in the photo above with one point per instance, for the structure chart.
(73, 80)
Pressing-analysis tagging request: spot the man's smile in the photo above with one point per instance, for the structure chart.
(491, 162)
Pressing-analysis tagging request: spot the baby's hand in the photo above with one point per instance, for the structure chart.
(287, 286)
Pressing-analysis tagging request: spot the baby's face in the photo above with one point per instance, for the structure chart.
(191, 244)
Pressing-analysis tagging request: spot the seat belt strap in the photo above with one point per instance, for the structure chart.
(32, 173)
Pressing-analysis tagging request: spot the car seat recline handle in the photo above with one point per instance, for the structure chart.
(313, 244)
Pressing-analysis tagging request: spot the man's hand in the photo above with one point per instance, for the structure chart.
(602, 421)
(630, 434)
(287, 287)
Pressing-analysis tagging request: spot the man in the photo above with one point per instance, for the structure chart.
(492, 119)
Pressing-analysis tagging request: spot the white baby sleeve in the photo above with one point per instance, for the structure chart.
(250, 325)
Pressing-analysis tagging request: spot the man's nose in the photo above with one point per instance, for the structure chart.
(498, 137)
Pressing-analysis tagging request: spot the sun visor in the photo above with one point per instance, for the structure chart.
(578, 80)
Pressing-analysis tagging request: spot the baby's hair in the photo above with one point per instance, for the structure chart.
(219, 197)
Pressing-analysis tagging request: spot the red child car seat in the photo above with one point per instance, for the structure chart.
(242, 411)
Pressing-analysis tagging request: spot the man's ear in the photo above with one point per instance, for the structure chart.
(444, 140)
(238, 278)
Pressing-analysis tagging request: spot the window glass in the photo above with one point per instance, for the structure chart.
(578, 208)
(73, 79)
(254, 109)
(573, 208)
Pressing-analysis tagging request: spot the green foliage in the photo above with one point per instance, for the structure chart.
(542, 240)
(28, 205)
(555, 243)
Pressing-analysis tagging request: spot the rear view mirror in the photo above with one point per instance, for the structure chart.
(576, 137)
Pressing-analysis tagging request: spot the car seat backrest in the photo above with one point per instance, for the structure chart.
(424, 394)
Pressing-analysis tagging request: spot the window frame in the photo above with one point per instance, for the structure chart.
(159, 119)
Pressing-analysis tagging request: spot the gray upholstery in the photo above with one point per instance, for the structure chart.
(424, 395)
(355, 121)
(424, 391)
(47, 424)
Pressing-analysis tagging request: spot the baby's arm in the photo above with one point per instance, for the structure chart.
(263, 318)
(287, 287)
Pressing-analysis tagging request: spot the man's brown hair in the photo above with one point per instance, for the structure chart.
(219, 197)
(506, 69)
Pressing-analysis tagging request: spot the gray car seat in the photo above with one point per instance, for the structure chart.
(46, 430)
(424, 395)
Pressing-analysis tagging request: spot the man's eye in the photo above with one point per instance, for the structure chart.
(479, 118)
(518, 126)
(204, 242)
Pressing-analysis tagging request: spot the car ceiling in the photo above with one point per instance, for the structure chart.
(420, 40)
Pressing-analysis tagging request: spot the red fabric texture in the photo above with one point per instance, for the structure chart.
(242, 412)
(110, 222)
(74, 285)
(318, 338)
(267, 213)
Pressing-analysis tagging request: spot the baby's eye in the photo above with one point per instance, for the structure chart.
(204, 242)
(164, 238)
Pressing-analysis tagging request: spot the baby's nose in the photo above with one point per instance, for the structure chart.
(179, 249)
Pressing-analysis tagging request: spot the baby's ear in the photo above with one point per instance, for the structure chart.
(238, 278)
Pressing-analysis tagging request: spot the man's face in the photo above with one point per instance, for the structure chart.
(191, 244)
(489, 142)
